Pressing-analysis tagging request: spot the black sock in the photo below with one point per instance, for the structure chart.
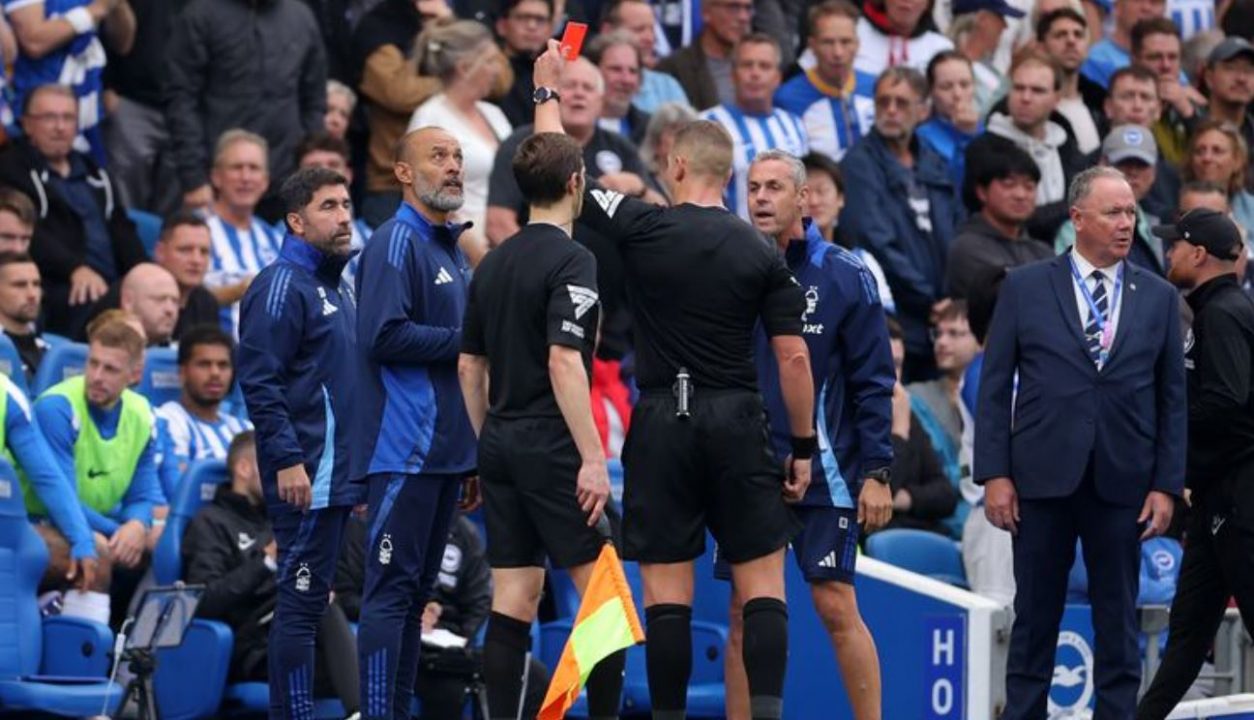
(605, 686)
(766, 655)
(668, 656)
(505, 647)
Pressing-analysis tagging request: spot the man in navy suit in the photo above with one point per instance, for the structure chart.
(1087, 442)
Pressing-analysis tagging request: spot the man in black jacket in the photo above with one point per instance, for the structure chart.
(254, 64)
(229, 547)
(83, 240)
(1219, 353)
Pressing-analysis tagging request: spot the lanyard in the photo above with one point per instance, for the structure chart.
(1104, 325)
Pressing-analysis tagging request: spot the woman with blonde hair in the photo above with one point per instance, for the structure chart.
(464, 57)
(1218, 154)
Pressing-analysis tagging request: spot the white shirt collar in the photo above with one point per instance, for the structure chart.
(1086, 268)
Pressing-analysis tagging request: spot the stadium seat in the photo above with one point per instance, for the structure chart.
(63, 360)
(193, 679)
(148, 226)
(160, 383)
(919, 551)
(57, 666)
(11, 363)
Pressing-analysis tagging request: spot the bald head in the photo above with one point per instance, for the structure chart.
(150, 293)
(429, 169)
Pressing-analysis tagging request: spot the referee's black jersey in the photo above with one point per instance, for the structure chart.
(537, 289)
(698, 280)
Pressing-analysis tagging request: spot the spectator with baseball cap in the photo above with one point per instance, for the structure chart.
(1217, 564)
(1131, 150)
(977, 29)
(1229, 82)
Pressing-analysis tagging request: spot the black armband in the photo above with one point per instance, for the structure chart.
(803, 448)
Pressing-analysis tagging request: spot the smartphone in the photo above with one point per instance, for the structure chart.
(572, 40)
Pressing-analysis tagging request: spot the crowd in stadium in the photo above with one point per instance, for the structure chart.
(144, 141)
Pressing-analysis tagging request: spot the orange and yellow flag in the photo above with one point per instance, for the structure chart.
(607, 622)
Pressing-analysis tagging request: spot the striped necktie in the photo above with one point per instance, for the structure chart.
(1093, 329)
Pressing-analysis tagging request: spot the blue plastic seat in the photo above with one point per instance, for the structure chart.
(11, 363)
(147, 226)
(57, 666)
(63, 360)
(919, 551)
(185, 684)
(160, 382)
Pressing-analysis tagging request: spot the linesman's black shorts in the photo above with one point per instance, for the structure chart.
(528, 469)
(715, 468)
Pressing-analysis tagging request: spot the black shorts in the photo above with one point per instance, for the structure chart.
(715, 468)
(528, 469)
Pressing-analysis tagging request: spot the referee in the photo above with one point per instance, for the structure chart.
(698, 453)
(1219, 354)
(531, 327)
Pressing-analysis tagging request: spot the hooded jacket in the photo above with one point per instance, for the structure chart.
(1059, 159)
(880, 48)
(253, 64)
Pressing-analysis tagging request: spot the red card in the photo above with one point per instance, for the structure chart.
(572, 40)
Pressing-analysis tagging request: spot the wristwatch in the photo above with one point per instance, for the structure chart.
(544, 94)
(880, 475)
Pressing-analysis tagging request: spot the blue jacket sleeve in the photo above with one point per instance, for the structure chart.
(170, 464)
(144, 491)
(868, 363)
(1172, 409)
(47, 477)
(994, 408)
(272, 324)
(386, 314)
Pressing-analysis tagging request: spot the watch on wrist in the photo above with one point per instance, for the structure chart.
(880, 475)
(545, 94)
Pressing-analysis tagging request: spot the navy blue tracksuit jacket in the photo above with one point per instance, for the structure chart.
(297, 369)
(412, 418)
(852, 365)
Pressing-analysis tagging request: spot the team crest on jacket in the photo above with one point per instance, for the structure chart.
(385, 550)
(303, 576)
(812, 307)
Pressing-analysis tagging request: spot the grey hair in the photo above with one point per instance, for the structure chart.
(335, 87)
(1082, 184)
(666, 118)
(234, 136)
(441, 46)
(904, 74)
(615, 38)
(795, 166)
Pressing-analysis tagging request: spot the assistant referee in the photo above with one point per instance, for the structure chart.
(698, 452)
(531, 327)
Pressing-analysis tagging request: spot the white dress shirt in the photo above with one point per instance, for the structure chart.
(1114, 304)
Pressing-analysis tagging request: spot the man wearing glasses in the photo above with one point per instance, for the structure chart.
(83, 241)
(903, 208)
(523, 29)
(704, 68)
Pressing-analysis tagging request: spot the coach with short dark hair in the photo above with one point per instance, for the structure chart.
(1089, 442)
(531, 328)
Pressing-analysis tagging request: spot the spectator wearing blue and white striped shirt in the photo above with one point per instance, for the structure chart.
(59, 43)
(194, 427)
(753, 122)
(834, 100)
(243, 244)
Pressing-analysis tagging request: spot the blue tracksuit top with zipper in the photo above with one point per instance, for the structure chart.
(852, 365)
(413, 282)
(298, 370)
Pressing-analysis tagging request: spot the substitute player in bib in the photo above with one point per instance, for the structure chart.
(852, 366)
(698, 454)
(417, 446)
(531, 327)
(297, 367)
